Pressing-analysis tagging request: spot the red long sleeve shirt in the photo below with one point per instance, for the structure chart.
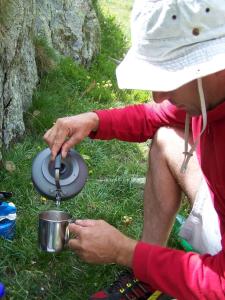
(177, 273)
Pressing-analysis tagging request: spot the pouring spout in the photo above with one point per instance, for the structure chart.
(58, 198)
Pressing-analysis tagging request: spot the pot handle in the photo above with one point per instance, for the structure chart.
(67, 233)
(58, 160)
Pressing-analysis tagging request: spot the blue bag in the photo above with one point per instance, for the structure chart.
(7, 220)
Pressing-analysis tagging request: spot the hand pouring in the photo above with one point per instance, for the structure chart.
(58, 180)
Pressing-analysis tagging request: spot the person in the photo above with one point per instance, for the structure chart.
(178, 53)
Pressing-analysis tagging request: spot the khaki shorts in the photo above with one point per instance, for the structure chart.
(201, 228)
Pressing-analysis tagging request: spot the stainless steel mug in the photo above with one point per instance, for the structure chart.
(53, 231)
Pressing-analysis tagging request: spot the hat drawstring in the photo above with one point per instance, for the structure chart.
(188, 154)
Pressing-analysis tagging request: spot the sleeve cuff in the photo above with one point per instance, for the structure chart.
(104, 125)
(140, 260)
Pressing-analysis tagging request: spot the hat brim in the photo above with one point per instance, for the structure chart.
(200, 60)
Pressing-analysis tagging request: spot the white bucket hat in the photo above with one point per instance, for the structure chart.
(173, 43)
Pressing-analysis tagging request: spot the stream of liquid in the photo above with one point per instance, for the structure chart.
(57, 202)
(58, 199)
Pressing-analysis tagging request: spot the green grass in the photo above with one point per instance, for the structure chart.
(121, 10)
(68, 89)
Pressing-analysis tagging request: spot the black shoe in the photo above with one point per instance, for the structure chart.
(126, 287)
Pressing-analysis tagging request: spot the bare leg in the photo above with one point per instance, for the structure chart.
(165, 183)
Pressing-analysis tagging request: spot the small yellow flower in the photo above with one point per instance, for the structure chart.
(127, 220)
(43, 199)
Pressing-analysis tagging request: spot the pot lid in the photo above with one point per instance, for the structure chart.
(62, 178)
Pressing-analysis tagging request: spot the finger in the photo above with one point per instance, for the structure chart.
(75, 229)
(86, 223)
(47, 138)
(74, 244)
(73, 140)
(65, 149)
(51, 138)
(55, 150)
(58, 144)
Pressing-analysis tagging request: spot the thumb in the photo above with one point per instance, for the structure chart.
(86, 223)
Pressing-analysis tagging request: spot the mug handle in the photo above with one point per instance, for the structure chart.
(67, 233)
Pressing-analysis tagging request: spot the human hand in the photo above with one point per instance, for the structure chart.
(70, 131)
(96, 241)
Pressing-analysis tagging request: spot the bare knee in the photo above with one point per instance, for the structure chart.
(167, 144)
(166, 151)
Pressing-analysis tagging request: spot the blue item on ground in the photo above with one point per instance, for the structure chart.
(7, 229)
(2, 290)
(7, 220)
(7, 209)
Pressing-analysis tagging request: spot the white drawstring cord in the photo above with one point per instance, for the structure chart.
(188, 154)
